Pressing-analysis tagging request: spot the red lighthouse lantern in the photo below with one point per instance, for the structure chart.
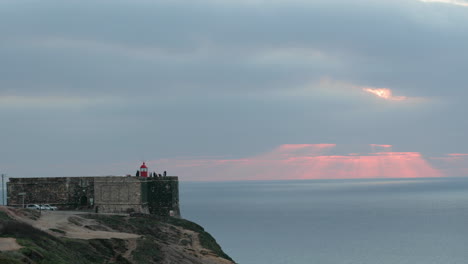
(143, 170)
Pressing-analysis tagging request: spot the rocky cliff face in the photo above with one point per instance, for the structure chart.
(71, 237)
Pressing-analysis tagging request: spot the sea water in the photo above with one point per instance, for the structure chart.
(384, 221)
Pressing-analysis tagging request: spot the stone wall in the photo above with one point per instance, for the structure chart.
(118, 195)
(111, 194)
(161, 194)
(64, 192)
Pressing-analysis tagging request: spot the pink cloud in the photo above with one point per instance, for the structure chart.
(381, 146)
(307, 161)
(378, 148)
(384, 93)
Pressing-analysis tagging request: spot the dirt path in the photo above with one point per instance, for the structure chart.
(8, 244)
(71, 223)
(75, 226)
(131, 246)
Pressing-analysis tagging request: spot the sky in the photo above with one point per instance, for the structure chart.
(234, 90)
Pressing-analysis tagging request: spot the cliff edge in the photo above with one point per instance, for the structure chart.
(28, 236)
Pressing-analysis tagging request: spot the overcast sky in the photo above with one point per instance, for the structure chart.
(96, 87)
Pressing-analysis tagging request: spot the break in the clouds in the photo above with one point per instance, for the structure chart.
(114, 82)
(384, 93)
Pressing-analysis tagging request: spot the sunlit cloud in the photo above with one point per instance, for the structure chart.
(328, 87)
(379, 147)
(307, 161)
(300, 161)
(384, 93)
(452, 2)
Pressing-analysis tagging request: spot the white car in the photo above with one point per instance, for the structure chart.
(49, 207)
(33, 206)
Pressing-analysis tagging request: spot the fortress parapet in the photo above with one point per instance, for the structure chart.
(157, 195)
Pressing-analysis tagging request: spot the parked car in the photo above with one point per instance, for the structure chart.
(34, 206)
(49, 207)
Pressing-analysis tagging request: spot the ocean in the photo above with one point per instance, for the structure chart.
(383, 221)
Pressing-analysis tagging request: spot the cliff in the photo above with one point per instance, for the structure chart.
(28, 236)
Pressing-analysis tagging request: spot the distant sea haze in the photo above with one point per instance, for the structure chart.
(375, 221)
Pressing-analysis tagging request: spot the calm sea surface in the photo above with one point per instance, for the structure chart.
(341, 221)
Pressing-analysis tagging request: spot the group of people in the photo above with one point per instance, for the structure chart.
(152, 174)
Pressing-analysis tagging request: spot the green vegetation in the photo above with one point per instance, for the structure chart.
(57, 230)
(206, 240)
(116, 222)
(32, 213)
(148, 251)
(43, 248)
(4, 216)
(10, 258)
(148, 225)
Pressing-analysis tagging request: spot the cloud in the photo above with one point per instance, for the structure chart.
(172, 44)
(454, 164)
(458, 155)
(381, 148)
(384, 93)
(229, 78)
(306, 161)
(92, 47)
(28, 102)
(452, 2)
(286, 162)
(344, 90)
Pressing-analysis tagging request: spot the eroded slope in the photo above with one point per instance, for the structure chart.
(71, 237)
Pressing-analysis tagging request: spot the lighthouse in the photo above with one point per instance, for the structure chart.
(143, 170)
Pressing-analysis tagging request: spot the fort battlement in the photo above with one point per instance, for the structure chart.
(108, 194)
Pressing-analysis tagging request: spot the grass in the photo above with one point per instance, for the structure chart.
(148, 225)
(116, 222)
(16, 229)
(32, 213)
(43, 248)
(206, 240)
(57, 231)
(4, 216)
(147, 251)
(8, 258)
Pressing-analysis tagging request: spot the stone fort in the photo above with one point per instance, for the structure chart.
(148, 193)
